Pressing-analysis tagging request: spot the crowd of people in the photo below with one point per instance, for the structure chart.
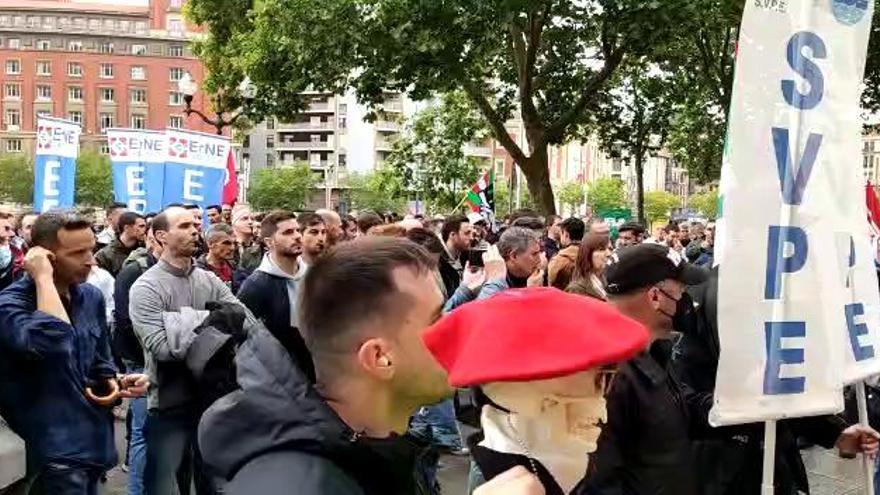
(319, 353)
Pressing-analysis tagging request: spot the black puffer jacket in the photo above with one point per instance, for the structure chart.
(277, 436)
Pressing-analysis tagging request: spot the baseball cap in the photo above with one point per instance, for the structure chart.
(634, 267)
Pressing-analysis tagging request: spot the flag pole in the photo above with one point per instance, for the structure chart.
(769, 457)
(867, 465)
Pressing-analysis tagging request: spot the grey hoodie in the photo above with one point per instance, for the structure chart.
(293, 281)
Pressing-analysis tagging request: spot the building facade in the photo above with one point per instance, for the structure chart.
(103, 64)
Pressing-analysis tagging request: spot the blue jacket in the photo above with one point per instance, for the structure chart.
(45, 366)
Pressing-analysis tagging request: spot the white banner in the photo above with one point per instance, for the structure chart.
(791, 187)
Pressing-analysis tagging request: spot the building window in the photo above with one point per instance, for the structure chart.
(13, 90)
(13, 67)
(138, 73)
(108, 120)
(140, 27)
(175, 74)
(176, 4)
(138, 121)
(13, 145)
(175, 28)
(74, 46)
(175, 51)
(48, 22)
(106, 47)
(270, 123)
(5, 20)
(105, 148)
(343, 108)
(175, 122)
(33, 21)
(44, 68)
(107, 71)
(74, 69)
(79, 23)
(44, 45)
(14, 43)
(175, 98)
(44, 92)
(75, 116)
(138, 49)
(138, 95)
(13, 117)
(108, 95)
(75, 93)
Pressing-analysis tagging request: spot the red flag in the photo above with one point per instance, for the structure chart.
(230, 188)
(873, 207)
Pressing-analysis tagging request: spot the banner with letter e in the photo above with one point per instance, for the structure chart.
(195, 168)
(55, 163)
(138, 161)
(797, 299)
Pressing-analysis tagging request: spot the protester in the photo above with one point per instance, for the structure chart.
(673, 239)
(456, 235)
(645, 447)
(111, 218)
(214, 214)
(11, 257)
(702, 253)
(684, 234)
(278, 433)
(348, 229)
(367, 220)
(542, 377)
(128, 350)
(333, 222)
(314, 236)
(168, 305)
(102, 279)
(58, 377)
(562, 267)
(550, 240)
(589, 272)
(226, 213)
(248, 253)
(519, 251)
(272, 291)
(599, 227)
(23, 230)
(218, 260)
(131, 230)
(629, 234)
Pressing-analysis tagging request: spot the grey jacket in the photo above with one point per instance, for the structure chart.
(165, 307)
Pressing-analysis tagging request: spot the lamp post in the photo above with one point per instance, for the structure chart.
(188, 87)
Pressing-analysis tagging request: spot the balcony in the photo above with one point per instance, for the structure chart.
(304, 145)
(384, 144)
(306, 126)
(320, 165)
(388, 126)
(482, 151)
(320, 107)
(393, 106)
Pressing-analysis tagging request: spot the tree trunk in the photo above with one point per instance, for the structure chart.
(537, 173)
(640, 188)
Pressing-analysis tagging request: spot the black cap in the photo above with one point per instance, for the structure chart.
(633, 226)
(643, 265)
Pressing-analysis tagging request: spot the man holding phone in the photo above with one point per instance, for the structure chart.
(57, 378)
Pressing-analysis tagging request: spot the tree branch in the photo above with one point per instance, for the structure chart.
(495, 121)
(525, 56)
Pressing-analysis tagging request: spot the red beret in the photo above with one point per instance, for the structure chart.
(522, 335)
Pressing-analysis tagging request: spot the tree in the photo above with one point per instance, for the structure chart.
(548, 59)
(94, 179)
(606, 194)
(705, 203)
(571, 194)
(429, 161)
(659, 205)
(16, 179)
(377, 191)
(284, 188)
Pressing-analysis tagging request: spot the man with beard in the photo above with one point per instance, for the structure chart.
(314, 236)
(132, 230)
(272, 291)
(167, 305)
(333, 222)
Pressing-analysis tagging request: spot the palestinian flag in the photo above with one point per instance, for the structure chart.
(481, 197)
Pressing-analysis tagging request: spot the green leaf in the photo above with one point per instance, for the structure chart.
(285, 188)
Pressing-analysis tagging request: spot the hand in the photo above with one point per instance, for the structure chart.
(473, 280)
(858, 439)
(494, 265)
(516, 481)
(106, 400)
(133, 385)
(38, 262)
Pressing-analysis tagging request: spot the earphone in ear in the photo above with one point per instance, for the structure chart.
(383, 361)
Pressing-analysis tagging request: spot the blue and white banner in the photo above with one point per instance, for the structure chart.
(138, 161)
(195, 168)
(797, 296)
(55, 163)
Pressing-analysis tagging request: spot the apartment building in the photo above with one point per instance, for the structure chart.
(101, 63)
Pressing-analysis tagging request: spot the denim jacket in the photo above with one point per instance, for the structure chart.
(45, 366)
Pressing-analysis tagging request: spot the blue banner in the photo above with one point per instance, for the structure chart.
(195, 168)
(55, 163)
(138, 161)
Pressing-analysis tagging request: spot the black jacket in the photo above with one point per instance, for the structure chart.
(277, 436)
(266, 296)
(645, 447)
(126, 345)
(451, 277)
(728, 460)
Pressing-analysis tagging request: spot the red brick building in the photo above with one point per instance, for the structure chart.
(102, 63)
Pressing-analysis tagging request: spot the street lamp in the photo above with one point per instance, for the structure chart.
(188, 87)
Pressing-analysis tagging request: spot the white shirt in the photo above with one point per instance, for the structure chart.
(102, 279)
